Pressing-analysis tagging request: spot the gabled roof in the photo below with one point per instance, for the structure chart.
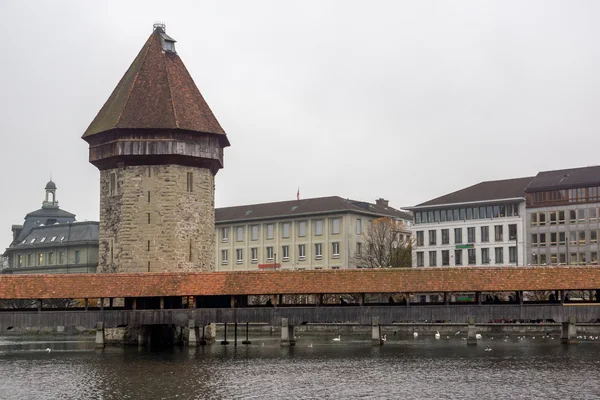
(292, 208)
(72, 233)
(156, 92)
(565, 179)
(484, 191)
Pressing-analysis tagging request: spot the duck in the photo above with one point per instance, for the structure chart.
(478, 336)
(337, 339)
(384, 338)
(437, 334)
(488, 348)
(415, 335)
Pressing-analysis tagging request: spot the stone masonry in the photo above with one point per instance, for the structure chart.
(150, 222)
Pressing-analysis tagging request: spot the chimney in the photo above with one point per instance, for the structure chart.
(382, 202)
(16, 230)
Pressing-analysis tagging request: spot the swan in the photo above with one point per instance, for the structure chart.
(488, 348)
(337, 339)
(415, 335)
(384, 338)
(457, 333)
(310, 345)
(48, 349)
(533, 337)
(262, 344)
(437, 334)
(447, 337)
(478, 336)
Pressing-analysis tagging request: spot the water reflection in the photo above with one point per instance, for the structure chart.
(352, 368)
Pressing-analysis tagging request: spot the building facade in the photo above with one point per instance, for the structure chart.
(479, 225)
(51, 241)
(158, 147)
(318, 233)
(562, 217)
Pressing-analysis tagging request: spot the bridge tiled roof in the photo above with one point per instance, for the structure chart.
(413, 280)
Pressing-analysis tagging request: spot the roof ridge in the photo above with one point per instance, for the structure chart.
(170, 91)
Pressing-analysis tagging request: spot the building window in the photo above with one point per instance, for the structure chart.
(553, 237)
(239, 234)
(254, 253)
(20, 260)
(573, 216)
(562, 258)
(445, 236)
(29, 260)
(285, 230)
(581, 214)
(458, 257)
(432, 237)
(335, 226)
(285, 250)
(573, 238)
(113, 184)
(534, 220)
(561, 217)
(485, 256)
(594, 236)
(318, 251)
(512, 254)
(270, 228)
(498, 233)
(582, 238)
(50, 258)
(358, 248)
(77, 256)
(224, 256)
(319, 227)
(499, 252)
(552, 217)
(594, 257)
(542, 239)
(420, 238)
(512, 232)
(445, 257)
(471, 235)
(190, 181)
(61, 257)
(254, 232)
(359, 226)
(582, 259)
(301, 251)
(239, 256)
(562, 240)
(542, 218)
(420, 259)
(458, 236)
(148, 218)
(485, 234)
(433, 258)
(534, 239)
(302, 228)
(471, 256)
(593, 214)
(40, 259)
(553, 259)
(270, 253)
(225, 234)
(335, 249)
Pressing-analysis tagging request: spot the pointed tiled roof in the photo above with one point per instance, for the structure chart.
(156, 92)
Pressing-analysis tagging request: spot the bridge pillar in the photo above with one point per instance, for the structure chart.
(162, 302)
(376, 332)
(194, 333)
(478, 298)
(39, 305)
(99, 335)
(101, 303)
(86, 304)
(471, 332)
(144, 336)
(569, 332)
(224, 341)
(446, 298)
(288, 337)
(246, 341)
(361, 299)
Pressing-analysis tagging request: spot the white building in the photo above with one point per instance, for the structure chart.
(315, 233)
(483, 224)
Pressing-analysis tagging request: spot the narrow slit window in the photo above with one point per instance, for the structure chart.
(190, 181)
(148, 197)
(148, 217)
(148, 245)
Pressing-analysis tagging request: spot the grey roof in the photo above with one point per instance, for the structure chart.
(484, 191)
(73, 233)
(50, 213)
(50, 185)
(565, 179)
(292, 208)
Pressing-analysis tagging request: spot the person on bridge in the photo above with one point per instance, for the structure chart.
(269, 303)
(552, 298)
(343, 302)
(391, 300)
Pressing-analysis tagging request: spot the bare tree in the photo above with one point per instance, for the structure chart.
(386, 244)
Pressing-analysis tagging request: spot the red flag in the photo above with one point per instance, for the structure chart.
(298, 194)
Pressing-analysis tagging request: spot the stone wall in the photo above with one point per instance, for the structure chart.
(150, 222)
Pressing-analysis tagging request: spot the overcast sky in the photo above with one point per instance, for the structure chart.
(395, 99)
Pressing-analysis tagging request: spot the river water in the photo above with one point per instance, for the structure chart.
(406, 368)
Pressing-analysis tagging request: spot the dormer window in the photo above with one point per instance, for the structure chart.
(43, 240)
(62, 238)
(53, 238)
(32, 241)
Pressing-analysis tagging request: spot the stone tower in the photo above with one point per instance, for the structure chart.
(158, 147)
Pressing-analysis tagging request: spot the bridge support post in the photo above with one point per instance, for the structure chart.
(86, 304)
(144, 337)
(569, 332)
(194, 333)
(288, 337)
(446, 298)
(209, 333)
(471, 332)
(39, 305)
(101, 303)
(246, 341)
(376, 332)
(224, 341)
(99, 335)
(235, 333)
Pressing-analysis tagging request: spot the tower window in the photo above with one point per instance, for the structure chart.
(113, 184)
(190, 181)
(148, 245)
(148, 197)
(148, 217)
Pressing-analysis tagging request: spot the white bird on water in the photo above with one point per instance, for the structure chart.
(488, 348)
(48, 349)
(415, 335)
(337, 339)
(310, 345)
(478, 336)
(437, 334)
(384, 338)
(457, 333)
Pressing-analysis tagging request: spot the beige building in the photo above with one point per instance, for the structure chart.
(313, 233)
